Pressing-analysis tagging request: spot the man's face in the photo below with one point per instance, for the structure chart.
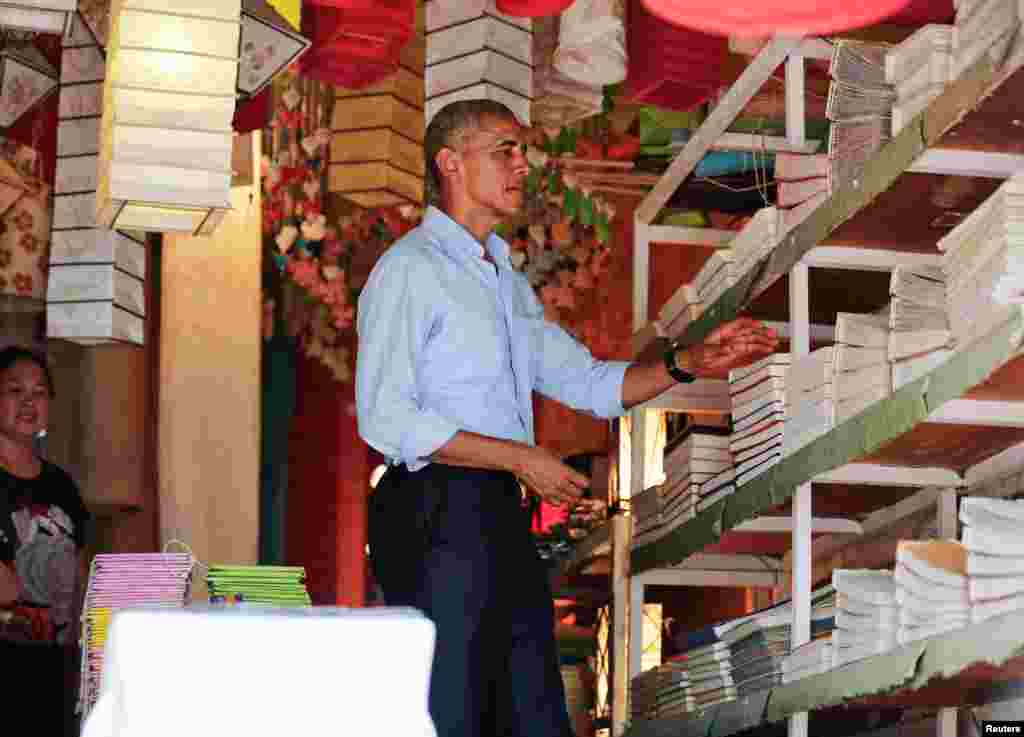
(494, 167)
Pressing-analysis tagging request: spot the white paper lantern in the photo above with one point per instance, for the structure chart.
(473, 52)
(40, 16)
(26, 79)
(269, 45)
(169, 98)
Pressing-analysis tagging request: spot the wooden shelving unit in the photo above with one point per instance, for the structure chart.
(944, 434)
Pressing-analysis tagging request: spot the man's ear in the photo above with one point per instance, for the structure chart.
(447, 161)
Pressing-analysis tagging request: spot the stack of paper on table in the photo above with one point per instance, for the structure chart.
(982, 27)
(983, 261)
(715, 276)
(919, 69)
(995, 555)
(920, 338)
(662, 691)
(932, 594)
(698, 471)
(682, 308)
(757, 239)
(757, 394)
(116, 583)
(268, 585)
(867, 615)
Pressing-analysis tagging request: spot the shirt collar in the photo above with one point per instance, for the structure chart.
(456, 240)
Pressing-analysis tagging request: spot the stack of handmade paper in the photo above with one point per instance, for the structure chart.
(118, 582)
(698, 472)
(715, 276)
(920, 338)
(867, 615)
(757, 394)
(810, 398)
(860, 107)
(802, 183)
(756, 240)
(645, 510)
(983, 262)
(995, 555)
(270, 585)
(932, 593)
(810, 659)
(662, 692)
(919, 68)
(982, 27)
(683, 308)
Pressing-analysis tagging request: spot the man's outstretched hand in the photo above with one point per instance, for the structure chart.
(729, 346)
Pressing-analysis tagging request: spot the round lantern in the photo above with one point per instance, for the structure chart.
(532, 8)
(773, 17)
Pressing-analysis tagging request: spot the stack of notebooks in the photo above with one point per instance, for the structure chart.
(662, 692)
(698, 472)
(267, 585)
(715, 276)
(683, 308)
(983, 260)
(920, 338)
(645, 510)
(982, 27)
(810, 398)
(757, 394)
(867, 615)
(810, 659)
(802, 183)
(932, 588)
(756, 240)
(118, 582)
(919, 69)
(994, 554)
(859, 105)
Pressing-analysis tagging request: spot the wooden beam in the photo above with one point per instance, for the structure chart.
(739, 95)
(697, 577)
(979, 412)
(689, 235)
(966, 163)
(865, 259)
(823, 525)
(876, 475)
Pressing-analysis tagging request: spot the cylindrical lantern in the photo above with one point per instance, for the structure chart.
(778, 17)
(532, 8)
(168, 101)
(96, 291)
(376, 149)
(269, 45)
(473, 51)
(39, 16)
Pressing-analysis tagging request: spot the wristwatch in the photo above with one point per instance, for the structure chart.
(683, 377)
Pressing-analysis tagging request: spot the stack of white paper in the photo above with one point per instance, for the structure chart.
(757, 393)
(662, 692)
(715, 277)
(698, 472)
(982, 27)
(683, 308)
(933, 593)
(995, 555)
(919, 68)
(983, 261)
(757, 239)
(645, 511)
(810, 398)
(810, 659)
(920, 338)
(802, 183)
(866, 614)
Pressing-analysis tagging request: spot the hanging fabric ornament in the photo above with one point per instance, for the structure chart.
(773, 17)
(592, 43)
(557, 101)
(532, 8)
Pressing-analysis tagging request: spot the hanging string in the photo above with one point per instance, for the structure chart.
(196, 563)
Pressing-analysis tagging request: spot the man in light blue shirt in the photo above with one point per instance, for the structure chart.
(452, 345)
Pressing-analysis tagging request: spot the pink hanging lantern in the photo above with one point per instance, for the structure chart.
(532, 8)
(772, 17)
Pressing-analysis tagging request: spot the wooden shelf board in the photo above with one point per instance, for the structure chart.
(971, 687)
(1006, 384)
(956, 447)
(998, 125)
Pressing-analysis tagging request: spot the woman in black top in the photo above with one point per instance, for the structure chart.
(42, 517)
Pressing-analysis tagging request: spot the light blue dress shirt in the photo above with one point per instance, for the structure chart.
(450, 342)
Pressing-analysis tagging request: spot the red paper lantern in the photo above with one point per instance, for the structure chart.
(532, 8)
(772, 17)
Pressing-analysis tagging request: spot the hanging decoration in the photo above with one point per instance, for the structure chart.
(748, 18)
(376, 149)
(532, 8)
(557, 100)
(96, 291)
(24, 223)
(269, 44)
(38, 16)
(474, 52)
(26, 77)
(592, 43)
(169, 97)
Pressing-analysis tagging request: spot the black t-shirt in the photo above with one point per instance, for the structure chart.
(54, 502)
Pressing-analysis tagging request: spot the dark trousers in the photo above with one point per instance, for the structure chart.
(455, 543)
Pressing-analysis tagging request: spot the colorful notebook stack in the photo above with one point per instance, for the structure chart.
(757, 394)
(932, 594)
(920, 338)
(715, 276)
(683, 308)
(698, 472)
(982, 27)
(860, 107)
(919, 68)
(983, 262)
(756, 240)
(118, 582)
(994, 549)
(867, 615)
(283, 586)
(662, 692)
(802, 183)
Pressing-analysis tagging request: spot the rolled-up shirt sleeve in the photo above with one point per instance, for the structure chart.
(392, 328)
(566, 370)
